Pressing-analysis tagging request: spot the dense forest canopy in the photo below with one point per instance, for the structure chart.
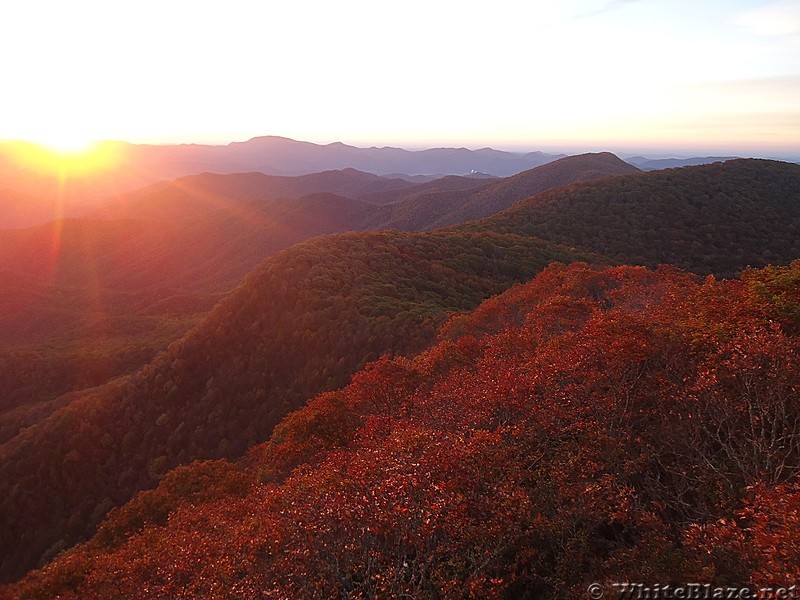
(595, 359)
(303, 322)
(592, 425)
(715, 218)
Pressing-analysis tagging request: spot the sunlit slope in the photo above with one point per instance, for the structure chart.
(141, 254)
(19, 210)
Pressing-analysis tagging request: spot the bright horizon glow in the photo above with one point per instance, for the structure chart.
(714, 76)
(73, 158)
(66, 144)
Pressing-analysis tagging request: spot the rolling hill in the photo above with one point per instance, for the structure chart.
(715, 218)
(194, 195)
(653, 164)
(302, 323)
(134, 166)
(85, 300)
(586, 425)
(313, 314)
(430, 209)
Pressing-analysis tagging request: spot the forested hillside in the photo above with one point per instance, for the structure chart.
(594, 425)
(312, 315)
(302, 323)
(430, 209)
(709, 219)
(86, 300)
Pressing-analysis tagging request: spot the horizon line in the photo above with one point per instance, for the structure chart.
(626, 149)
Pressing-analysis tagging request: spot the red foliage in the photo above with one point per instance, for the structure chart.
(593, 425)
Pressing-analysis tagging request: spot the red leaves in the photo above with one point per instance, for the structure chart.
(592, 424)
(761, 538)
(745, 403)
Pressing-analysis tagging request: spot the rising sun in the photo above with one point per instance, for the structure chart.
(67, 144)
(67, 155)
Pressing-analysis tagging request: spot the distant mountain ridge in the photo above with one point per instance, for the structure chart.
(285, 156)
(431, 209)
(192, 195)
(654, 164)
(141, 165)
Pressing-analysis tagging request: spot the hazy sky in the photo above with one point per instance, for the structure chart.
(706, 75)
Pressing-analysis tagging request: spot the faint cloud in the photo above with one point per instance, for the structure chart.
(776, 19)
(606, 7)
(787, 84)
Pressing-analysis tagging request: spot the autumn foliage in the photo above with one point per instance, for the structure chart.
(113, 371)
(592, 425)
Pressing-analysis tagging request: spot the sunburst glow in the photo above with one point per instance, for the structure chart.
(181, 87)
(67, 156)
(67, 145)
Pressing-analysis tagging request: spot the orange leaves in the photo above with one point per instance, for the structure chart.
(777, 291)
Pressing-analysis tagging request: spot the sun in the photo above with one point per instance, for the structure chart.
(66, 155)
(67, 144)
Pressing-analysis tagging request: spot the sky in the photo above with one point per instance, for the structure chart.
(638, 75)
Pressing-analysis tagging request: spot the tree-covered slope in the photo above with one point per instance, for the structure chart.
(430, 209)
(715, 218)
(593, 425)
(301, 323)
(310, 316)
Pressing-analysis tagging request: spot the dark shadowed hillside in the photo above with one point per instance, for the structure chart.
(449, 183)
(428, 210)
(715, 218)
